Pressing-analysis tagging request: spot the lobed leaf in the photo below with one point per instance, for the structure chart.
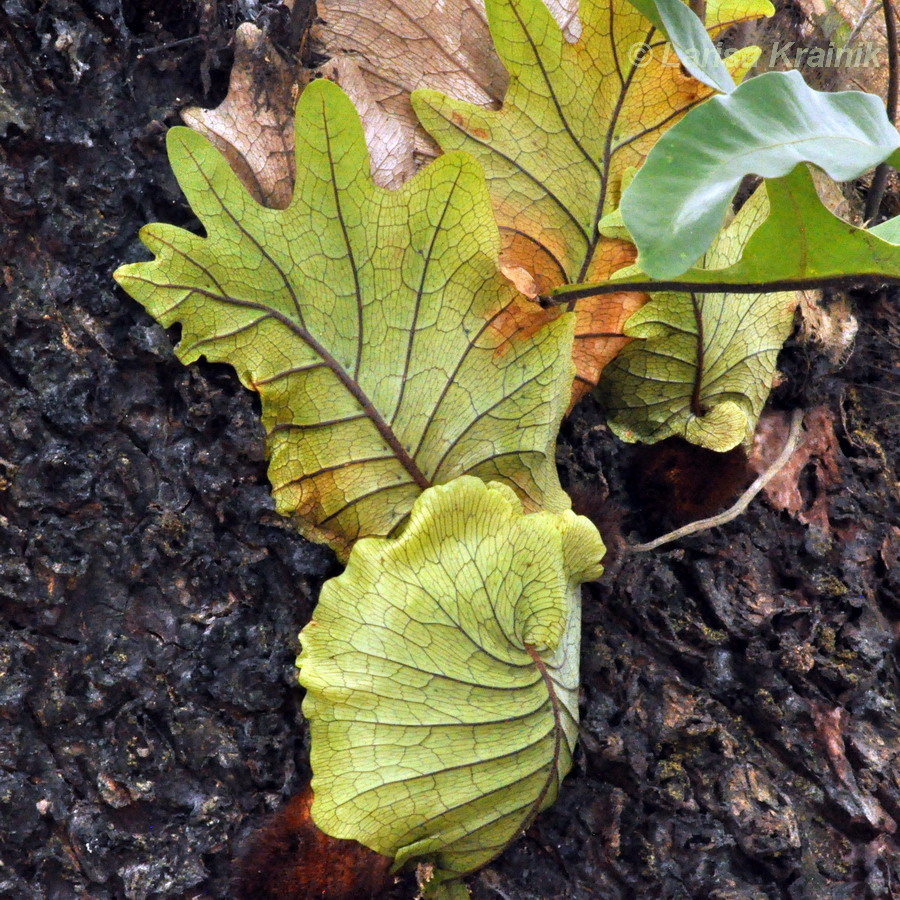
(402, 45)
(441, 671)
(701, 365)
(374, 324)
(678, 201)
(576, 115)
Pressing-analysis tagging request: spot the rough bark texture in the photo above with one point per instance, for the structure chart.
(740, 713)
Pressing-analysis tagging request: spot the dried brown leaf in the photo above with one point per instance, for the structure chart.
(253, 125)
(391, 139)
(401, 45)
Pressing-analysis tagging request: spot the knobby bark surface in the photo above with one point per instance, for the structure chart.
(741, 734)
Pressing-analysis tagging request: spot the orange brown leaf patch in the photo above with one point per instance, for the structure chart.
(599, 321)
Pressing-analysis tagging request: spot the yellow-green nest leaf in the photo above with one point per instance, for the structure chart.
(441, 671)
(701, 365)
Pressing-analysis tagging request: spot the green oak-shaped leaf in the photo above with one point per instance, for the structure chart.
(801, 244)
(575, 117)
(441, 671)
(374, 324)
(702, 365)
(677, 202)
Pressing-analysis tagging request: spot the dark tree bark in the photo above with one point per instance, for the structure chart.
(740, 714)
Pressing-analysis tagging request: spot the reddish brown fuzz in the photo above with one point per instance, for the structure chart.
(677, 482)
(289, 858)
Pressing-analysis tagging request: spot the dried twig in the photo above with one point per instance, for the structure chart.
(871, 8)
(738, 509)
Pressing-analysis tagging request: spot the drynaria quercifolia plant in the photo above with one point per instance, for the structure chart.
(415, 351)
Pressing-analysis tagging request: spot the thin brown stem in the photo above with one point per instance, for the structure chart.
(696, 403)
(557, 736)
(879, 179)
(837, 282)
